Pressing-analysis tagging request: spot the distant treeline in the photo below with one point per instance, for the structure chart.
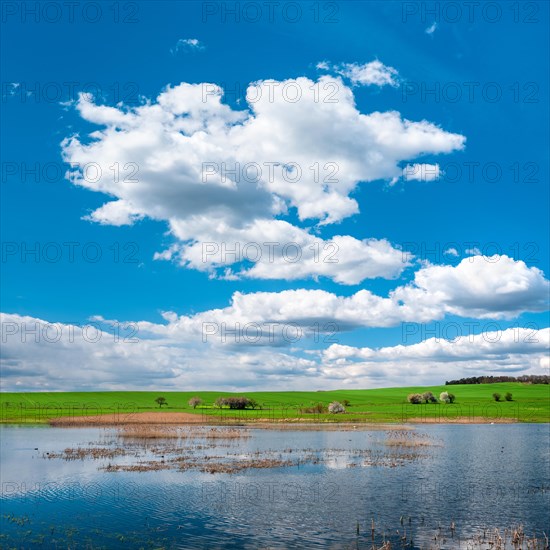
(526, 379)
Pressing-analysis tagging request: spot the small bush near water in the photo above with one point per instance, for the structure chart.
(415, 398)
(317, 408)
(428, 397)
(446, 397)
(419, 398)
(335, 407)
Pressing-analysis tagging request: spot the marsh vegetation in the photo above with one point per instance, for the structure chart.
(217, 450)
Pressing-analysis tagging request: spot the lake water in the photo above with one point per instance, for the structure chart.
(478, 476)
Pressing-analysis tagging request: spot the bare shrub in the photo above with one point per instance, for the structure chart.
(415, 398)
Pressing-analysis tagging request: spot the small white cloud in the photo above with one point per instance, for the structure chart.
(10, 88)
(187, 45)
(169, 316)
(114, 213)
(374, 73)
(431, 29)
(475, 251)
(451, 252)
(167, 254)
(421, 172)
(97, 318)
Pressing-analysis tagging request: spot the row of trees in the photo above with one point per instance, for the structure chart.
(446, 397)
(429, 397)
(526, 379)
(243, 402)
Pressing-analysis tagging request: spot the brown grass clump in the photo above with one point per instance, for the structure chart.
(193, 432)
(408, 439)
(513, 538)
(146, 418)
(237, 466)
(159, 431)
(220, 433)
(208, 464)
(148, 431)
(149, 466)
(82, 453)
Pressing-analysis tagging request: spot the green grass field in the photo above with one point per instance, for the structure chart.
(531, 403)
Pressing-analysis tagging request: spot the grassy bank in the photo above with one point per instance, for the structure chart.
(531, 403)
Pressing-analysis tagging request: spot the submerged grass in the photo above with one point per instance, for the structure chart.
(408, 439)
(402, 533)
(150, 448)
(411, 535)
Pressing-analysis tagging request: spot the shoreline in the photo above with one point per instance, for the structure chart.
(181, 418)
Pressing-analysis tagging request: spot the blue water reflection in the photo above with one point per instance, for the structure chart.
(477, 476)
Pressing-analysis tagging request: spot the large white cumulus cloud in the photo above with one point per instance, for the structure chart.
(209, 170)
(477, 287)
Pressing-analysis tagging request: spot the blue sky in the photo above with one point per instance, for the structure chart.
(381, 57)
